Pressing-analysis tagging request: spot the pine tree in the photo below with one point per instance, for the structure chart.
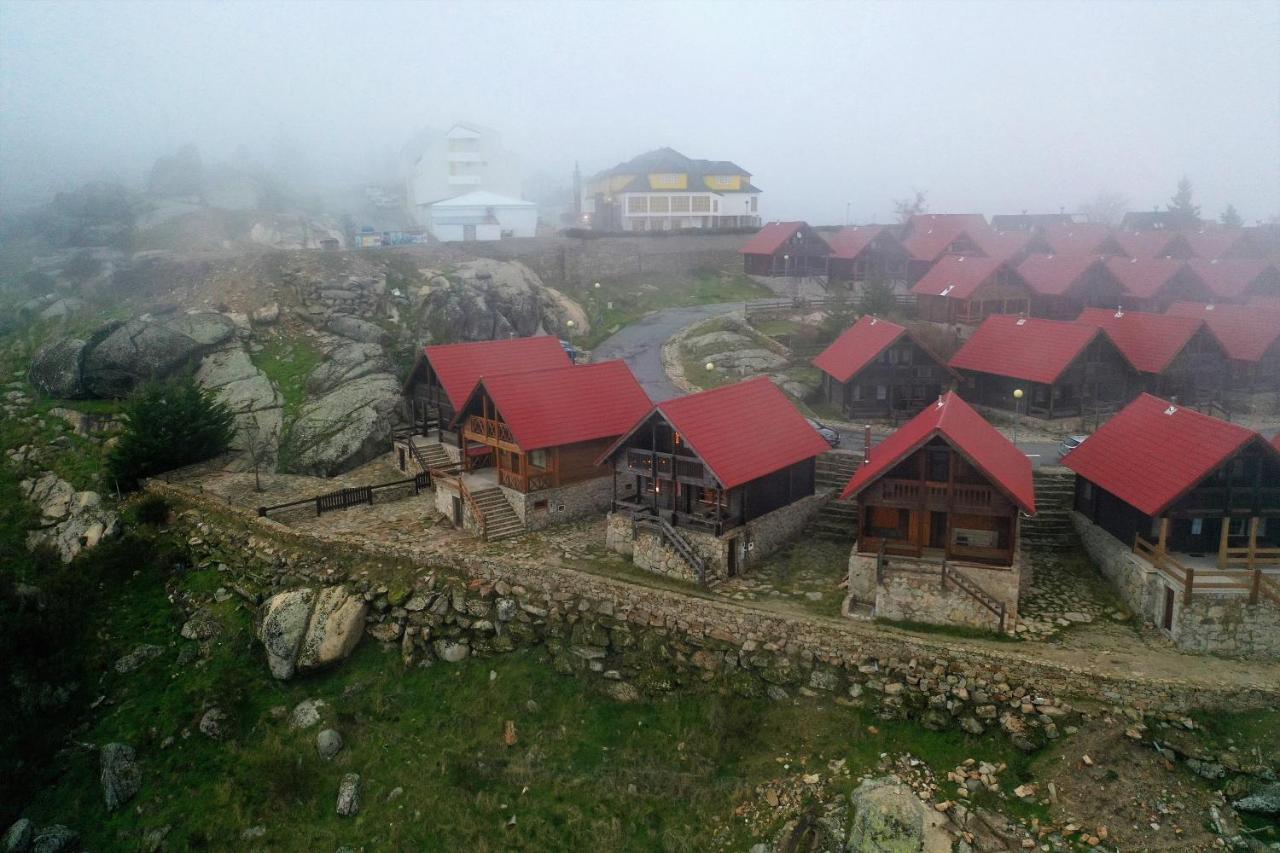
(1231, 217)
(168, 424)
(1186, 213)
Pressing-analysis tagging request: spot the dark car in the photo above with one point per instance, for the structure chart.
(832, 437)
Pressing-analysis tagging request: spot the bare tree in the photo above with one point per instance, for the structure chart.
(259, 446)
(905, 208)
(1106, 208)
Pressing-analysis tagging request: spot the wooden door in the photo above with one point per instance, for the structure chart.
(457, 511)
(1166, 622)
(937, 530)
(733, 557)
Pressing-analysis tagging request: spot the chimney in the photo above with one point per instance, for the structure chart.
(866, 444)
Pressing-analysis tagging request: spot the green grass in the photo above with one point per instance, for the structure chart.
(807, 565)
(948, 630)
(634, 296)
(287, 361)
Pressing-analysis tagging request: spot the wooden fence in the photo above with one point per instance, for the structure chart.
(348, 497)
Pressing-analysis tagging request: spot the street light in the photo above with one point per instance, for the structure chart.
(1017, 408)
(710, 365)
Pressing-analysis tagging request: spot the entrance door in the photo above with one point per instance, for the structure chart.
(400, 455)
(468, 232)
(1167, 621)
(733, 557)
(457, 511)
(937, 530)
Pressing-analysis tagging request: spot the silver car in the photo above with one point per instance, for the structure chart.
(1069, 444)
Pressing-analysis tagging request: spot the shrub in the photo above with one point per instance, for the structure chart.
(878, 298)
(169, 424)
(153, 509)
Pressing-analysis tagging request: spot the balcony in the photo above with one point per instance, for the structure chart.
(532, 482)
(668, 466)
(914, 494)
(489, 431)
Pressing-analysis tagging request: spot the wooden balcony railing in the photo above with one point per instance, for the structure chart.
(488, 431)
(667, 465)
(535, 480)
(937, 495)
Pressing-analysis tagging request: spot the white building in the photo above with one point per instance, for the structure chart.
(464, 159)
(664, 190)
(479, 216)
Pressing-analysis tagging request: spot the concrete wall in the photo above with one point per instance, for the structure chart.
(1211, 624)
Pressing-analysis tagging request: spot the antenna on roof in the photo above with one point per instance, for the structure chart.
(1119, 312)
(941, 401)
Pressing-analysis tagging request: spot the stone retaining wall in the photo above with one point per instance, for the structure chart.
(912, 591)
(662, 637)
(545, 507)
(1215, 624)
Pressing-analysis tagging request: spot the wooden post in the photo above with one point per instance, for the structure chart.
(1250, 559)
(1191, 581)
(1222, 542)
(1163, 541)
(1256, 587)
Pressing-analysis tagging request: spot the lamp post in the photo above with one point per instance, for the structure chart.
(1017, 413)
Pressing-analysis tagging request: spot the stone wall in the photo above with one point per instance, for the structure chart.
(659, 639)
(911, 591)
(545, 507)
(1211, 624)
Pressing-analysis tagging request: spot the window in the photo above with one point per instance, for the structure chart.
(1197, 526)
(715, 205)
(667, 181)
(1086, 491)
(659, 204)
(637, 204)
(857, 393)
(1238, 526)
(679, 204)
(538, 459)
(882, 392)
(924, 372)
(701, 203)
(755, 204)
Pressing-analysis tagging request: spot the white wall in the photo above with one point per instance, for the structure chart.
(521, 221)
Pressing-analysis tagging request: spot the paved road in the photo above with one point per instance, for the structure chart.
(640, 344)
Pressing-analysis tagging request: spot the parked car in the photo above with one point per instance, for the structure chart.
(570, 350)
(832, 437)
(1069, 444)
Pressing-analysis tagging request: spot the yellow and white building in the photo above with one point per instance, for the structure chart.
(664, 190)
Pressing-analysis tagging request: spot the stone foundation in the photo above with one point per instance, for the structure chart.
(912, 591)
(1211, 624)
(545, 507)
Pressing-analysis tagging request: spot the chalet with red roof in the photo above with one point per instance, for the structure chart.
(929, 236)
(1197, 500)
(938, 507)
(1064, 285)
(861, 254)
(785, 248)
(1212, 244)
(1082, 238)
(706, 484)
(1250, 338)
(1153, 244)
(529, 444)
(878, 369)
(965, 289)
(1061, 368)
(444, 374)
(1177, 357)
(1237, 279)
(1010, 246)
(1152, 284)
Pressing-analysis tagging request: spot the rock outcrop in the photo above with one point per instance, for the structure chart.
(258, 406)
(887, 817)
(345, 362)
(485, 300)
(345, 427)
(55, 371)
(356, 329)
(120, 776)
(303, 630)
(70, 521)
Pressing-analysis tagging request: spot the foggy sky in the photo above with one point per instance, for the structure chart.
(990, 107)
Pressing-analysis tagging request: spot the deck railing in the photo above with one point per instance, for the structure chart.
(348, 497)
(532, 482)
(1257, 584)
(487, 429)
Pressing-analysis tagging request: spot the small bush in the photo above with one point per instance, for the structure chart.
(169, 424)
(153, 509)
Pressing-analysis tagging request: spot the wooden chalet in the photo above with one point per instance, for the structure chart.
(1250, 338)
(1197, 496)
(1064, 285)
(785, 248)
(543, 429)
(716, 460)
(1152, 220)
(1029, 221)
(1080, 239)
(878, 369)
(1237, 279)
(1176, 356)
(1062, 368)
(965, 290)
(1152, 284)
(1011, 246)
(929, 236)
(444, 375)
(1153, 244)
(946, 485)
(1211, 244)
(862, 254)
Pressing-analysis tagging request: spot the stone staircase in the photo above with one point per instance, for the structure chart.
(500, 520)
(430, 455)
(1050, 530)
(837, 519)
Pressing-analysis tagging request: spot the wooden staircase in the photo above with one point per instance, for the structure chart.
(497, 519)
(838, 519)
(1050, 529)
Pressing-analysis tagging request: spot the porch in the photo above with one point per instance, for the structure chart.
(701, 517)
(1237, 568)
(489, 444)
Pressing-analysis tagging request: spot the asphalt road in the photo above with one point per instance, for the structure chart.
(640, 346)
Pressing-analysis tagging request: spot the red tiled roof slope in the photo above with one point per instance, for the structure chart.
(857, 347)
(848, 243)
(1246, 332)
(1213, 243)
(1007, 467)
(956, 276)
(459, 366)
(1146, 244)
(1054, 275)
(929, 234)
(565, 405)
(1002, 245)
(770, 238)
(1153, 452)
(1149, 341)
(1143, 277)
(743, 431)
(1077, 238)
(1229, 278)
(1024, 348)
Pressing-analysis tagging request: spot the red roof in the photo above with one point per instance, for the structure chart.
(770, 238)
(930, 234)
(1054, 275)
(1154, 452)
(1229, 278)
(859, 345)
(848, 243)
(1213, 243)
(1149, 341)
(1144, 277)
(1000, 461)
(741, 431)
(458, 366)
(1002, 245)
(1275, 442)
(1077, 238)
(957, 276)
(1146, 244)
(565, 405)
(1246, 332)
(1024, 348)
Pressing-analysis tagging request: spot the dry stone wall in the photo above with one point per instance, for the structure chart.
(543, 508)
